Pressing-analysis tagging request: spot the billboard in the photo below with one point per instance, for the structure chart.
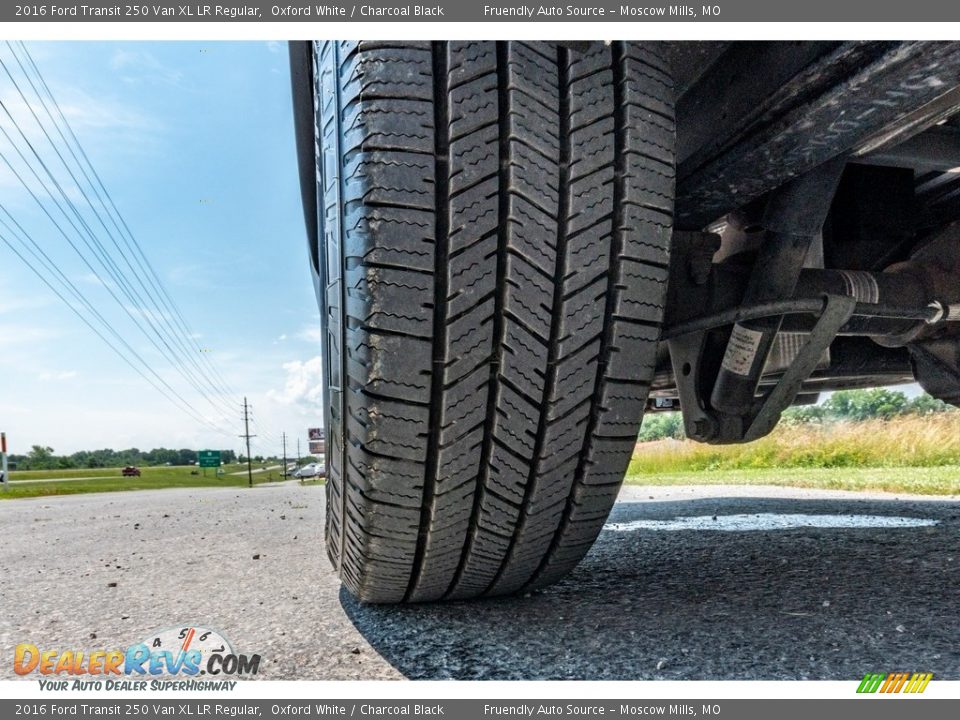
(315, 434)
(316, 448)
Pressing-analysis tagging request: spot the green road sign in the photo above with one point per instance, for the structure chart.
(209, 458)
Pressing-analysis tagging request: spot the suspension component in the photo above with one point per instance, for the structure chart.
(914, 304)
(793, 219)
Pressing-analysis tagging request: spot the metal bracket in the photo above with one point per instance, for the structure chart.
(838, 310)
(706, 424)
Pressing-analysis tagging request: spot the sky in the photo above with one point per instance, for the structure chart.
(194, 142)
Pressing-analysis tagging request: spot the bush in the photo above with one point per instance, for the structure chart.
(662, 425)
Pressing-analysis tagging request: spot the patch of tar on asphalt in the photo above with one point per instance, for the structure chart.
(771, 521)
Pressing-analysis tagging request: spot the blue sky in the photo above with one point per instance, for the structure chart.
(195, 143)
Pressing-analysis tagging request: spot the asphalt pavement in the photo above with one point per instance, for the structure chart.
(788, 584)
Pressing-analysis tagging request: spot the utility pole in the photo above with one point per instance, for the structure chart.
(284, 455)
(3, 461)
(246, 435)
(298, 453)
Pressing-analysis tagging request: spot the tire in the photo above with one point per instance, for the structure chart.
(496, 221)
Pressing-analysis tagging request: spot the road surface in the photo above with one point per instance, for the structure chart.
(63, 479)
(760, 596)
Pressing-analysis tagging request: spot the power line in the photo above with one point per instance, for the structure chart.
(44, 259)
(153, 277)
(146, 268)
(163, 323)
(103, 256)
(39, 253)
(119, 276)
(186, 406)
(65, 235)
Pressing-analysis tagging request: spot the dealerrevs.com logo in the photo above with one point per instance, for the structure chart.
(185, 652)
(895, 682)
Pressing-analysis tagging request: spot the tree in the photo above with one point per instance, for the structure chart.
(658, 426)
(41, 458)
(927, 405)
(865, 404)
(802, 414)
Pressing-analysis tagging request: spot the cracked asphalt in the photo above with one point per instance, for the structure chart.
(104, 571)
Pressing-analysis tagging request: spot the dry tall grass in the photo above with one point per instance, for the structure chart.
(906, 441)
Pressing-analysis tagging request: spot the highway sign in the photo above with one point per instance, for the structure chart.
(209, 458)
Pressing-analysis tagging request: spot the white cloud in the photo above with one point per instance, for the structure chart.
(93, 279)
(95, 120)
(20, 305)
(83, 112)
(275, 46)
(148, 313)
(18, 334)
(59, 376)
(145, 65)
(304, 384)
(311, 334)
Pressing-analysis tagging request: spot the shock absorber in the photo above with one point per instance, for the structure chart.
(793, 218)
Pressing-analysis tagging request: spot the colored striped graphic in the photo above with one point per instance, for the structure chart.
(895, 682)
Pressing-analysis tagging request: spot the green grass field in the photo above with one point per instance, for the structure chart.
(22, 483)
(909, 454)
(100, 472)
(906, 454)
(941, 480)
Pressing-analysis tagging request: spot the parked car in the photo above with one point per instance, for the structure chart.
(309, 470)
(131, 471)
(519, 248)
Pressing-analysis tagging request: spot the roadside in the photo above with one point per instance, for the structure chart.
(794, 591)
(942, 480)
(258, 470)
(916, 454)
(44, 483)
(61, 479)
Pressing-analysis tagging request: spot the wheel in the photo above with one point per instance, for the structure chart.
(495, 221)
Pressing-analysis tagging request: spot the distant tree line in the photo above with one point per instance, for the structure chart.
(844, 405)
(43, 458)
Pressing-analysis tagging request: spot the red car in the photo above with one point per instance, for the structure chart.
(131, 471)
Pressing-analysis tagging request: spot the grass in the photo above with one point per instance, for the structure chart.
(110, 480)
(101, 472)
(917, 454)
(907, 441)
(941, 480)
